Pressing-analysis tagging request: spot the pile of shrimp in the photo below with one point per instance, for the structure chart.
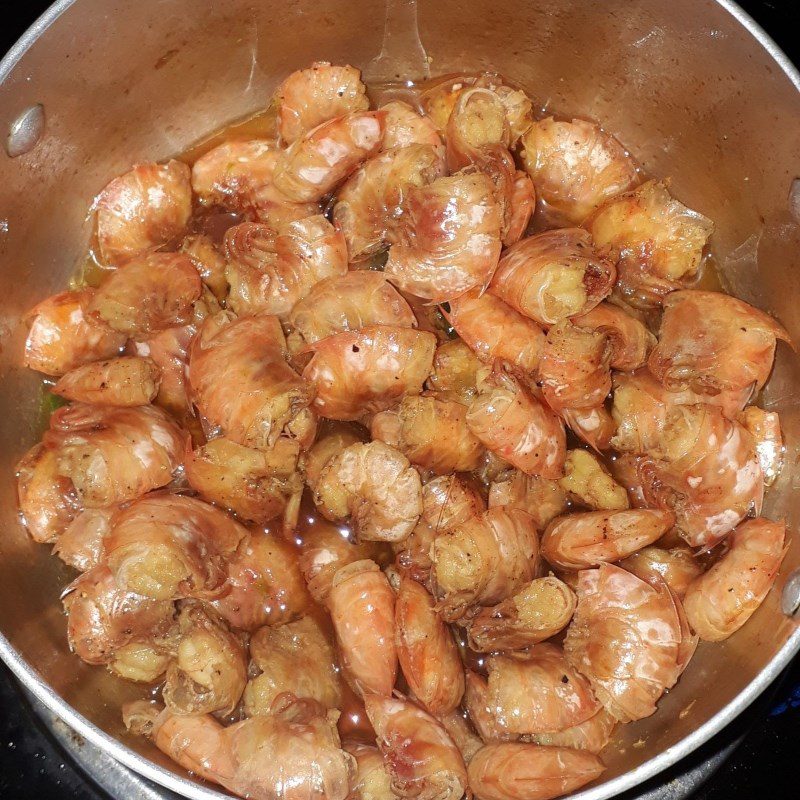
(388, 495)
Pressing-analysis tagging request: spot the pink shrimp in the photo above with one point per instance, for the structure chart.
(542, 498)
(628, 339)
(765, 428)
(209, 262)
(455, 371)
(404, 127)
(124, 381)
(592, 735)
(676, 566)
(82, 544)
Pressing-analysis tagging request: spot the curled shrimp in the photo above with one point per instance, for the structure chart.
(336, 438)
(676, 566)
(361, 605)
(63, 334)
(476, 704)
(432, 433)
(594, 426)
(536, 612)
(82, 544)
(553, 275)
(362, 372)
(520, 205)
(209, 262)
(169, 350)
(372, 780)
(369, 204)
(270, 271)
(423, 761)
(455, 371)
(494, 330)
(426, 650)
(449, 239)
(123, 381)
(542, 498)
(640, 410)
(145, 208)
(460, 731)
(315, 95)
(404, 127)
(297, 657)
(721, 600)
(575, 166)
(515, 425)
(588, 481)
(521, 771)
(476, 123)
(375, 487)
(590, 538)
(765, 428)
(240, 380)
(592, 735)
(115, 454)
(657, 242)
(629, 341)
(484, 559)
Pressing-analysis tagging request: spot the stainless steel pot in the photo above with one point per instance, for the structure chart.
(693, 87)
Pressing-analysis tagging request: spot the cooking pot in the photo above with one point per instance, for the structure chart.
(694, 89)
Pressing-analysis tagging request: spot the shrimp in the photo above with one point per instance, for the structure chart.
(626, 639)
(150, 293)
(168, 546)
(765, 428)
(47, 500)
(297, 657)
(575, 166)
(543, 499)
(337, 437)
(264, 584)
(629, 340)
(423, 761)
(515, 425)
(594, 426)
(476, 704)
(375, 487)
(476, 123)
(676, 566)
(449, 239)
(82, 544)
(592, 735)
(553, 275)
(362, 372)
(588, 481)
(494, 330)
(710, 342)
(539, 610)
(460, 731)
(431, 433)
(241, 382)
(257, 485)
(209, 262)
(322, 158)
(520, 205)
(372, 778)
(590, 538)
(640, 410)
(270, 271)
(454, 372)
(361, 605)
(426, 650)
(521, 771)
(145, 208)
(124, 381)
(315, 95)
(369, 205)
(404, 127)
(484, 559)
(63, 334)
(656, 241)
(721, 600)
(115, 454)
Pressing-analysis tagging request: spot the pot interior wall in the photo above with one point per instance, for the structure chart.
(687, 89)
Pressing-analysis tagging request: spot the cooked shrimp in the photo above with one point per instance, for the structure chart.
(484, 560)
(375, 487)
(149, 294)
(423, 761)
(361, 605)
(431, 433)
(575, 166)
(361, 372)
(297, 657)
(657, 242)
(515, 425)
(460, 731)
(317, 94)
(264, 585)
(454, 373)
(82, 544)
(257, 485)
(145, 208)
(765, 428)
(628, 339)
(63, 334)
(543, 499)
(626, 639)
(323, 157)
(494, 330)
(477, 122)
(640, 410)
(594, 426)
(369, 206)
(553, 275)
(427, 651)
(677, 567)
(336, 438)
(404, 127)
(241, 382)
(168, 546)
(536, 612)
(270, 271)
(372, 780)
(519, 771)
(520, 205)
(589, 482)
(476, 704)
(124, 381)
(720, 601)
(169, 350)
(209, 262)
(449, 238)
(592, 735)
(115, 454)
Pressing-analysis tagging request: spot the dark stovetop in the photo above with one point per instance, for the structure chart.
(32, 766)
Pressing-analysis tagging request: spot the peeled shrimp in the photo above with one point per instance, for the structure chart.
(589, 482)
(143, 209)
(209, 262)
(63, 334)
(124, 381)
(592, 735)
(454, 372)
(765, 428)
(372, 780)
(677, 567)
(721, 600)
(404, 127)
(629, 340)
(543, 499)
(82, 544)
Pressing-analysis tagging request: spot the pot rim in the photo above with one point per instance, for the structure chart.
(30, 679)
